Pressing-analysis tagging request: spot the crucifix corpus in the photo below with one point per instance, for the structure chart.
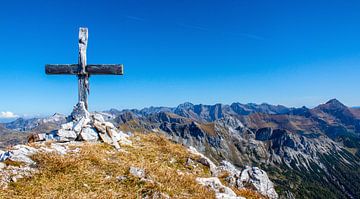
(83, 70)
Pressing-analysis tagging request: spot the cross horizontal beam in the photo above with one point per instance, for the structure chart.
(91, 69)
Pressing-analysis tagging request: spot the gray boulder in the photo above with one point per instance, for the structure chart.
(221, 191)
(88, 134)
(66, 135)
(137, 172)
(259, 179)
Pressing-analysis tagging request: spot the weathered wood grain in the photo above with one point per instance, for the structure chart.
(62, 69)
(105, 69)
(83, 77)
(83, 41)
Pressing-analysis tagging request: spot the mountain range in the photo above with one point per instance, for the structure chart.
(307, 152)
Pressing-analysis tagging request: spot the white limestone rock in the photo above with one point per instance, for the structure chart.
(2, 166)
(137, 172)
(109, 125)
(228, 167)
(259, 179)
(4, 155)
(80, 124)
(121, 137)
(89, 134)
(98, 117)
(22, 153)
(106, 138)
(233, 172)
(237, 178)
(67, 126)
(100, 127)
(204, 160)
(66, 135)
(221, 191)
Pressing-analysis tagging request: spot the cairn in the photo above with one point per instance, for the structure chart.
(84, 126)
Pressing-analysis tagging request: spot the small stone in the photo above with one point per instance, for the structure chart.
(80, 124)
(15, 178)
(61, 149)
(89, 134)
(4, 155)
(67, 126)
(204, 160)
(221, 191)
(22, 153)
(172, 161)
(66, 135)
(86, 186)
(121, 137)
(137, 172)
(2, 165)
(115, 143)
(98, 117)
(109, 124)
(121, 178)
(100, 127)
(106, 138)
(189, 162)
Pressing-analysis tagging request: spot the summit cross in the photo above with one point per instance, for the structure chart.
(83, 70)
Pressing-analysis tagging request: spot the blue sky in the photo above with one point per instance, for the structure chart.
(281, 52)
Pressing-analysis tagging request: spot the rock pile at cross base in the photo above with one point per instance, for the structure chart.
(83, 126)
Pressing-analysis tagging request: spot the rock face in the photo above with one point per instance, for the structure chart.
(221, 191)
(250, 177)
(259, 179)
(84, 126)
(322, 143)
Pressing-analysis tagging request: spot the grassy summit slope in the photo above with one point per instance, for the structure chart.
(98, 171)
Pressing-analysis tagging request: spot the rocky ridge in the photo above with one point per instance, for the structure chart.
(314, 146)
(18, 163)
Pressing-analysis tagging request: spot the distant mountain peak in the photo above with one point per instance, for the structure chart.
(57, 115)
(334, 102)
(185, 105)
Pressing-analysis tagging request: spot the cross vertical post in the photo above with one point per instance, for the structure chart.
(83, 76)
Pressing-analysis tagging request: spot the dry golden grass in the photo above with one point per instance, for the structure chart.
(248, 194)
(92, 173)
(13, 163)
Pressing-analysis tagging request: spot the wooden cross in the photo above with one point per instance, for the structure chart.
(83, 70)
